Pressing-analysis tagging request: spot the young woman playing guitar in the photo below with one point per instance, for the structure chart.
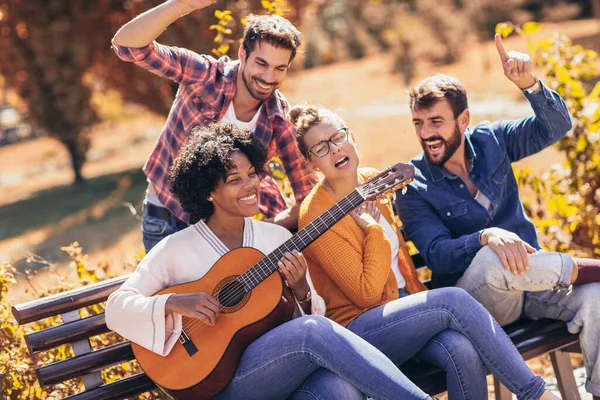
(216, 178)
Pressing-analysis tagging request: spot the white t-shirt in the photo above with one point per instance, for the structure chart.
(484, 201)
(391, 234)
(232, 118)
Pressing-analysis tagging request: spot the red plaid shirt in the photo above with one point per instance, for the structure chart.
(206, 88)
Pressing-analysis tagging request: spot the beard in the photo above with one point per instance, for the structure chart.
(450, 146)
(253, 92)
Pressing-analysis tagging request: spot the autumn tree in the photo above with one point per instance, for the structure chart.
(54, 53)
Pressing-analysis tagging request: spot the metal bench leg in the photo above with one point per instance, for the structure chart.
(502, 393)
(563, 370)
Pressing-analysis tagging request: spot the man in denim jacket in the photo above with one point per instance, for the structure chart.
(464, 214)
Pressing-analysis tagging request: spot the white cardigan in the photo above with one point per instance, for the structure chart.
(185, 256)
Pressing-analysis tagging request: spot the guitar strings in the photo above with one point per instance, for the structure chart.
(252, 274)
(335, 212)
(233, 292)
(194, 323)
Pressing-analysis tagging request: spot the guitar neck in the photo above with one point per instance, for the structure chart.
(304, 237)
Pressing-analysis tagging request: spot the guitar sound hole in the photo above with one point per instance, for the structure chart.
(231, 294)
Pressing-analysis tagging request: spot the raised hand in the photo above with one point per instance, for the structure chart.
(195, 305)
(517, 66)
(510, 248)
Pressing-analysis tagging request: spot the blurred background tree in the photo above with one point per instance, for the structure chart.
(56, 53)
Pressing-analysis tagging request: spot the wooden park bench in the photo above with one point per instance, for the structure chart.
(532, 339)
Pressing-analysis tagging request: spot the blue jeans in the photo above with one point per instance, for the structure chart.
(325, 385)
(300, 358)
(430, 325)
(542, 292)
(155, 229)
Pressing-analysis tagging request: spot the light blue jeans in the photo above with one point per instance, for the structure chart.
(449, 328)
(303, 357)
(542, 292)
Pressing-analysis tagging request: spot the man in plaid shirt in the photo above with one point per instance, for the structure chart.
(242, 92)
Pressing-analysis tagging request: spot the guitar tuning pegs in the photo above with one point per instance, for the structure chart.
(384, 200)
(404, 189)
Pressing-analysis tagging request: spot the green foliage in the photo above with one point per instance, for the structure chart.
(17, 376)
(565, 202)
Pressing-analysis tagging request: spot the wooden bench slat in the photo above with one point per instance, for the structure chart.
(121, 389)
(76, 366)
(66, 333)
(526, 328)
(67, 301)
(544, 343)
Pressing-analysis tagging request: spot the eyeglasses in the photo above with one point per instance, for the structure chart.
(322, 148)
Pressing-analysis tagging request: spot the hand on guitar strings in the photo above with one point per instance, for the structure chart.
(195, 305)
(366, 214)
(293, 268)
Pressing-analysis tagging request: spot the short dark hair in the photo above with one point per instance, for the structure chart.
(433, 89)
(205, 159)
(272, 29)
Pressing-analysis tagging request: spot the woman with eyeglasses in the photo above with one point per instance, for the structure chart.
(362, 269)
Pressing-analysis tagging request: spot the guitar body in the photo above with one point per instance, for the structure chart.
(202, 368)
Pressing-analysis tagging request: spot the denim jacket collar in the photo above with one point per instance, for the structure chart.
(438, 172)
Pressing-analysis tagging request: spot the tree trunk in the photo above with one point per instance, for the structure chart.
(77, 160)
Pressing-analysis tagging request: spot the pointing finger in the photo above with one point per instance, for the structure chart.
(500, 47)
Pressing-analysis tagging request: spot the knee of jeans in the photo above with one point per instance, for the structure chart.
(485, 269)
(456, 297)
(315, 329)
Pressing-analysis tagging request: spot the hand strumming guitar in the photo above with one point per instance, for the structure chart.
(195, 305)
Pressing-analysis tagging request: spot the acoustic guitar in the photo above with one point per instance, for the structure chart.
(253, 298)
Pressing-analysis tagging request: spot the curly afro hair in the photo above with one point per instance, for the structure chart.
(205, 159)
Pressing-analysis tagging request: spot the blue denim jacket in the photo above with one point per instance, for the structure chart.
(438, 212)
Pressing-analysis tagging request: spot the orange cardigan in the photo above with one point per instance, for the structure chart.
(349, 267)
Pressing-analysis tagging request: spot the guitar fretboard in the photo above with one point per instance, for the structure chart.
(268, 265)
